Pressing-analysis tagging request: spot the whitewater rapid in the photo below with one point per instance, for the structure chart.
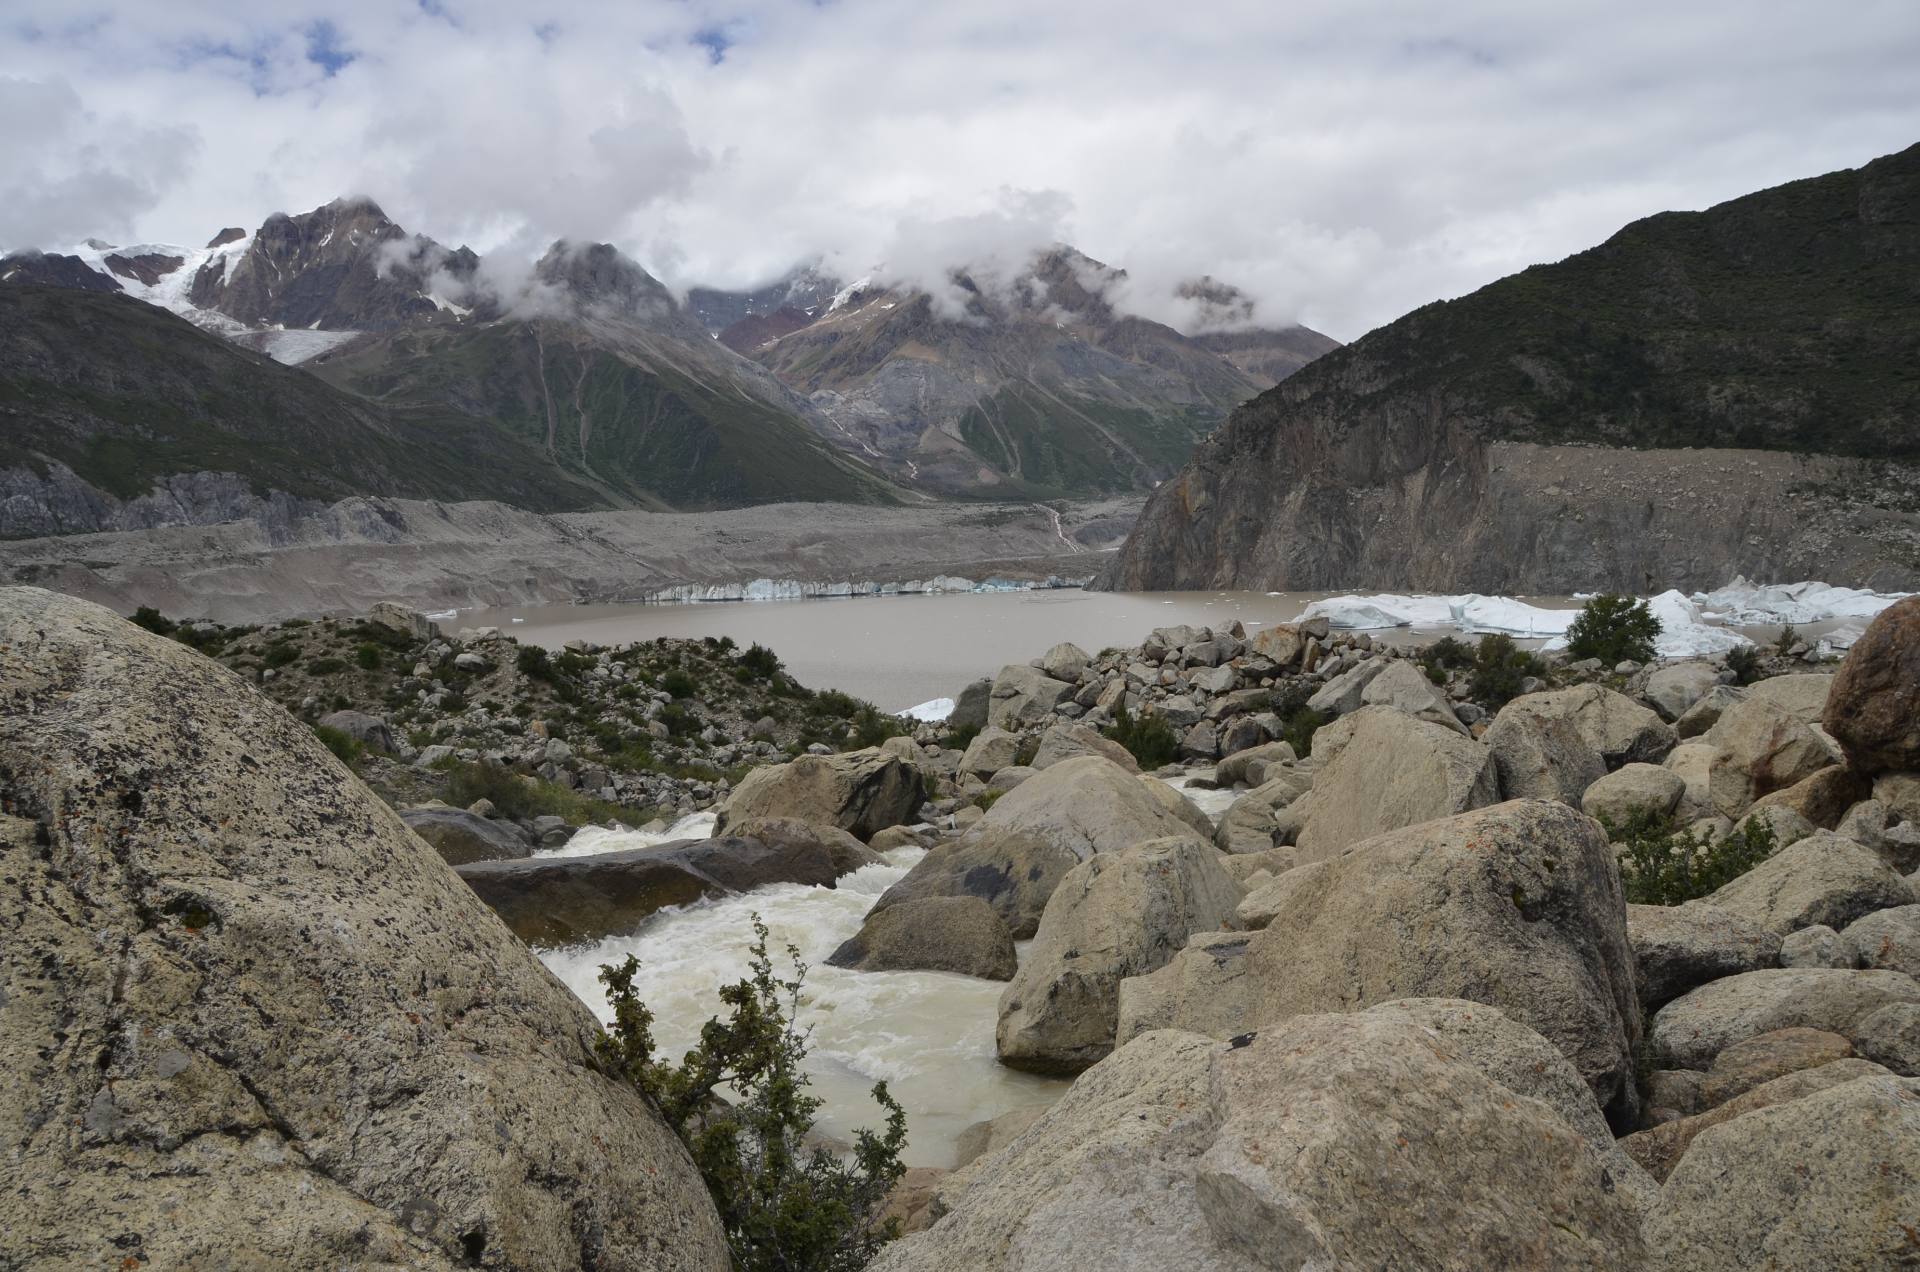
(928, 1034)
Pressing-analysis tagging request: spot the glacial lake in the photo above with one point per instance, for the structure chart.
(897, 651)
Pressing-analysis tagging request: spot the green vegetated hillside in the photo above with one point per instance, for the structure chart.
(641, 430)
(1787, 319)
(125, 393)
(1056, 441)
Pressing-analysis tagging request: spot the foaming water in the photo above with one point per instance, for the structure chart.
(589, 840)
(928, 1034)
(1214, 803)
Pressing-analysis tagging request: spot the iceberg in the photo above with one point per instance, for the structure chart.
(1754, 604)
(1469, 613)
(932, 712)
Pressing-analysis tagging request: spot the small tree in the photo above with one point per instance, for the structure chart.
(1500, 667)
(785, 1207)
(1614, 629)
(154, 621)
(1148, 737)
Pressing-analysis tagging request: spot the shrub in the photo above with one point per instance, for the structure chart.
(1298, 721)
(347, 748)
(1614, 629)
(519, 796)
(154, 621)
(872, 726)
(325, 666)
(1744, 662)
(368, 656)
(678, 683)
(279, 655)
(835, 703)
(960, 738)
(533, 663)
(1663, 863)
(1444, 655)
(785, 1206)
(759, 662)
(1149, 737)
(1789, 637)
(1499, 667)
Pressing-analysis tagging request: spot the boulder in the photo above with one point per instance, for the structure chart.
(1820, 879)
(1086, 805)
(1692, 762)
(1676, 948)
(1065, 661)
(1816, 946)
(1900, 792)
(1306, 1145)
(369, 730)
(1873, 711)
(1786, 826)
(1693, 1029)
(991, 750)
(1746, 1065)
(1404, 687)
(460, 836)
(1013, 872)
(1342, 694)
(1234, 769)
(555, 901)
(1661, 1148)
(1890, 1036)
(1395, 771)
(1812, 1183)
(1758, 749)
(1822, 798)
(1179, 805)
(1282, 644)
(1070, 741)
(1619, 729)
(1675, 688)
(1634, 788)
(1202, 989)
(1541, 756)
(249, 1018)
(1115, 915)
(1887, 939)
(1025, 696)
(970, 705)
(1004, 780)
(861, 792)
(931, 934)
(410, 622)
(1700, 718)
(1803, 696)
(1201, 742)
(994, 1134)
(1518, 906)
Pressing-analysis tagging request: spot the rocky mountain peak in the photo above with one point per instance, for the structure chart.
(601, 277)
(232, 234)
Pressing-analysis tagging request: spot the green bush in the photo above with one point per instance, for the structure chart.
(347, 748)
(785, 1206)
(154, 621)
(678, 683)
(1664, 863)
(1444, 655)
(1298, 721)
(961, 738)
(533, 663)
(279, 655)
(872, 726)
(325, 666)
(518, 796)
(1499, 667)
(368, 656)
(1744, 662)
(1149, 738)
(1614, 629)
(759, 662)
(1789, 637)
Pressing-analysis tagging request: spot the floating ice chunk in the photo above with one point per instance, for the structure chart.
(932, 711)
(1812, 602)
(1514, 618)
(1386, 610)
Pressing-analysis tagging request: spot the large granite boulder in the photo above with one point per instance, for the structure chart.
(1365, 1140)
(1394, 771)
(1826, 1181)
(371, 731)
(251, 1020)
(1802, 696)
(554, 901)
(861, 792)
(1518, 906)
(460, 836)
(932, 934)
(1404, 687)
(1117, 914)
(1819, 879)
(1675, 688)
(1069, 741)
(1873, 709)
(1760, 748)
(1678, 947)
(1538, 755)
(1634, 788)
(1823, 798)
(970, 705)
(1088, 804)
(1690, 1031)
(1700, 718)
(1065, 661)
(1238, 766)
(1660, 1148)
(1268, 815)
(1619, 729)
(1014, 872)
(991, 750)
(1342, 694)
(1025, 696)
(1888, 939)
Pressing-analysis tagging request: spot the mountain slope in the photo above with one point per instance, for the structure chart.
(1454, 449)
(106, 399)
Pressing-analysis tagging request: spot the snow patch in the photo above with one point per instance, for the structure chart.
(931, 712)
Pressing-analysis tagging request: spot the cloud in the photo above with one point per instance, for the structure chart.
(1338, 163)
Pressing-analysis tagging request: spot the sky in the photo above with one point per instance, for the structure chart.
(1342, 163)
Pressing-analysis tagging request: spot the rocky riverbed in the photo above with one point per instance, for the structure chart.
(1376, 933)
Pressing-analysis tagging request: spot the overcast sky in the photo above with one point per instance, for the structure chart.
(1342, 162)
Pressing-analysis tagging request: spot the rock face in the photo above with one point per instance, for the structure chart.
(566, 900)
(1820, 879)
(1811, 1183)
(1873, 709)
(1305, 1145)
(1424, 458)
(861, 792)
(1115, 915)
(1395, 771)
(461, 837)
(1518, 906)
(225, 961)
(932, 934)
